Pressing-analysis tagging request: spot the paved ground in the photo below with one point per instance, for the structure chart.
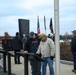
(1, 69)
(19, 69)
(2, 73)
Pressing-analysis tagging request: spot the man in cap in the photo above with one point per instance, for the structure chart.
(46, 48)
(31, 46)
(73, 49)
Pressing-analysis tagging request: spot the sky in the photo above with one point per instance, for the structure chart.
(12, 10)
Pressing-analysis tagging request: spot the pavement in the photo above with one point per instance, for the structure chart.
(18, 69)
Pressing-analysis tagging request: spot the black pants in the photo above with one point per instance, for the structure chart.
(17, 57)
(74, 60)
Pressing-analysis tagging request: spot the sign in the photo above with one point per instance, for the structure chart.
(23, 27)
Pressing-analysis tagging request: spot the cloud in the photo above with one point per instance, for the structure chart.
(31, 4)
(68, 19)
(12, 10)
(66, 3)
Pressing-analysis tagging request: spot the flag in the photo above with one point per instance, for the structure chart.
(38, 26)
(51, 26)
(44, 22)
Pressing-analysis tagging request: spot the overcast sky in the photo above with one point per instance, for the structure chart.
(12, 10)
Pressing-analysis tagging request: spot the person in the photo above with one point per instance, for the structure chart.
(6, 36)
(5, 41)
(46, 48)
(73, 49)
(17, 46)
(24, 39)
(52, 36)
(31, 46)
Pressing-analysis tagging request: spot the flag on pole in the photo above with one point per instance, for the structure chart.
(38, 26)
(44, 22)
(51, 26)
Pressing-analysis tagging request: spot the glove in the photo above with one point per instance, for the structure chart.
(38, 54)
(52, 57)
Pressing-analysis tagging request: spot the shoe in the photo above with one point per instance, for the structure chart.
(19, 63)
(16, 63)
(73, 70)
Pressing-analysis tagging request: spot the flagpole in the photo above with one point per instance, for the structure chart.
(57, 46)
(45, 24)
(38, 26)
(45, 31)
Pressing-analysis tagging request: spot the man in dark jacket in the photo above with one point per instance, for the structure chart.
(73, 49)
(17, 47)
(31, 46)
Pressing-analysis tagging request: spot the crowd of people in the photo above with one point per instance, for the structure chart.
(38, 44)
(43, 47)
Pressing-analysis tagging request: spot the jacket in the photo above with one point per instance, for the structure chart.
(73, 44)
(17, 43)
(32, 45)
(46, 48)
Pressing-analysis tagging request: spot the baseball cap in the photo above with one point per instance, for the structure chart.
(31, 34)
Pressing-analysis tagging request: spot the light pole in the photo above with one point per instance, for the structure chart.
(57, 46)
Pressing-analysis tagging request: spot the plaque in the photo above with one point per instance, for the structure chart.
(23, 27)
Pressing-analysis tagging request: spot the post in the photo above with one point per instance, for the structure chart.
(57, 46)
(4, 62)
(9, 64)
(45, 31)
(35, 66)
(25, 64)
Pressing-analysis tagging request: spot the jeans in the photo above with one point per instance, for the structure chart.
(74, 60)
(32, 67)
(50, 64)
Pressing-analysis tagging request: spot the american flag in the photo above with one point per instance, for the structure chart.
(38, 26)
(51, 25)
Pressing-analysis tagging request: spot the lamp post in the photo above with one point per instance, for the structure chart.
(57, 46)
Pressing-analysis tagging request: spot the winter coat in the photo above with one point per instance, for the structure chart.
(32, 44)
(17, 43)
(73, 44)
(46, 48)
